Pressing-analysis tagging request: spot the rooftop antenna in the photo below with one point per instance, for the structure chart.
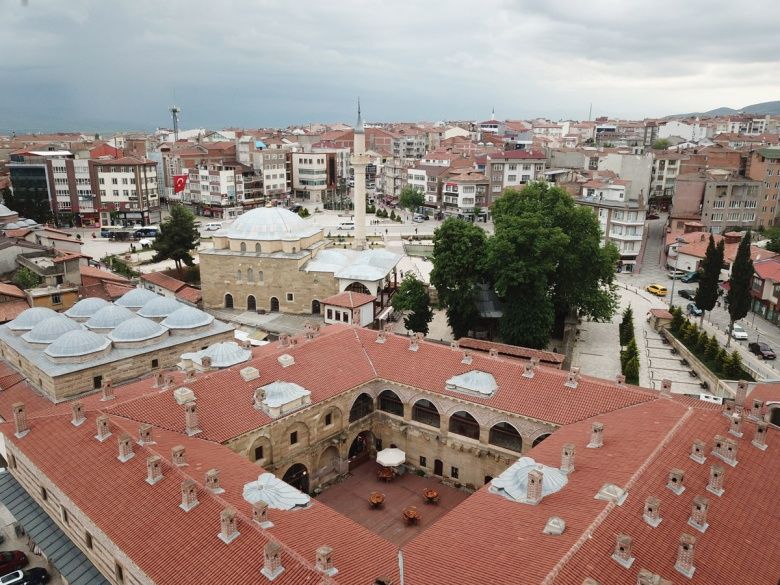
(175, 115)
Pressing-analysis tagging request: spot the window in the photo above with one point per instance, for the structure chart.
(454, 472)
(56, 299)
(462, 423)
(44, 494)
(426, 413)
(155, 363)
(389, 402)
(363, 406)
(259, 453)
(719, 204)
(505, 435)
(114, 181)
(423, 461)
(88, 540)
(294, 438)
(328, 419)
(97, 382)
(290, 297)
(119, 572)
(330, 313)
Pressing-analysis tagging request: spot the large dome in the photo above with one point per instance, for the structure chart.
(29, 318)
(50, 329)
(187, 318)
(137, 329)
(85, 308)
(136, 298)
(77, 343)
(269, 224)
(160, 307)
(109, 317)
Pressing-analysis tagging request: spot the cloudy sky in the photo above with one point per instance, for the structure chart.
(120, 64)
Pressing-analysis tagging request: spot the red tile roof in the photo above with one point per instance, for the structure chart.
(11, 310)
(349, 299)
(93, 272)
(11, 290)
(190, 294)
(768, 269)
(164, 281)
(527, 353)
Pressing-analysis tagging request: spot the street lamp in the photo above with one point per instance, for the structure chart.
(679, 240)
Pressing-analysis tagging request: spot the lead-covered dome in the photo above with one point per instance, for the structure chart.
(269, 224)
(50, 329)
(136, 298)
(29, 318)
(109, 317)
(137, 329)
(223, 354)
(85, 308)
(77, 343)
(187, 318)
(160, 307)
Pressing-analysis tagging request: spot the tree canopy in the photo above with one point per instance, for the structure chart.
(177, 238)
(741, 281)
(707, 293)
(411, 198)
(25, 278)
(661, 144)
(412, 296)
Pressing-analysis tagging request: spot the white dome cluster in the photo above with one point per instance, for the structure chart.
(269, 224)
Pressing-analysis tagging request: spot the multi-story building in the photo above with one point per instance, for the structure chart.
(127, 191)
(393, 175)
(511, 169)
(427, 179)
(44, 183)
(764, 165)
(272, 164)
(315, 175)
(409, 143)
(666, 167)
(465, 193)
(215, 191)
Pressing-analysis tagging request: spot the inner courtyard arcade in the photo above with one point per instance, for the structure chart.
(463, 442)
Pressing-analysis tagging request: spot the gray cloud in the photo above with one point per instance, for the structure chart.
(100, 65)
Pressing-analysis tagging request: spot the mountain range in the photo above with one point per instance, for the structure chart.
(771, 108)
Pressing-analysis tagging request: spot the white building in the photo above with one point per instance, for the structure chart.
(311, 177)
(349, 307)
(128, 187)
(215, 187)
(689, 132)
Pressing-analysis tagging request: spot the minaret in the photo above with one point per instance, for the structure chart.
(360, 161)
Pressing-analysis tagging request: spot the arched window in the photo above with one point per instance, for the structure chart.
(539, 439)
(505, 435)
(298, 477)
(243, 246)
(259, 276)
(315, 307)
(363, 406)
(389, 402)
(228, 301)
(250, 275)
(238, 275)
(462, 423)
(358, 287)
(426, 413)
(251, 303)
(274, 305)
(258, 248)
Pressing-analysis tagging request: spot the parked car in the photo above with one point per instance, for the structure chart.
(694, 310)
(213, 226)
(738, 332)
(690, 277)
(34, 576)
(676, 274)
(11, 560)
(762, 349)
(687, 293)
(658, 290)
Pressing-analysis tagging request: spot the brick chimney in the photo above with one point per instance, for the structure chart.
(725, 450)
(698, 519)
(735, 425)
(77, 413)
(622, 554)
(685, 550)
(572, 378)
(107, 390)
(414, 344)
(145, 435)
(191, 419)
(324, 560)
(729, 407)
(717, 475)
(167, 380)
(647, 577)
(675, 481)
(596, 436)
(455, 345)
(153, 469)
(492, 352)
(666, 387)
(381, 337)
(567, 458)
(178, 456)
(467, 359)
(212, 482)
(258, 398)
(284, 340)
(103, 431)
(260, 514)
(272, 560)
(20, 420)
(620, 380)
(755, 411)
(189, 495)
(534, 489)
(759, 436)
(652, 513)
(528, 370)
(741, 394)
(205, 361)
(697, 451)
(159, 379)
(125, 447)
(228, 525)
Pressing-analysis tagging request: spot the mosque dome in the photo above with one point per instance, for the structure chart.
(137, 329)
(269, 224)
(29, 318)
(109, 317)
(160, 307)
(223, 354)
(6, 212)
(85, 308)
(27, 222)
(136, 298)
(50, 329)
(12, 226)
(77, 343)
(187, 318)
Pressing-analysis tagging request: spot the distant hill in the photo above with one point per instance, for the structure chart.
(771, 108)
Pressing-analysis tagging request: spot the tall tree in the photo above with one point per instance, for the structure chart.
(411, 198)
(740, 284)
(707, 293)
(412, 296)
(177, 238)
(626, 327)
(458, 253)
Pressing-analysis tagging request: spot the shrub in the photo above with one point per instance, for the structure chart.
(722, 360)
(702, 342)
(713, 347)
(631, 371)
(733, 367)
(626, 327)
(677, 319)
(691, 335)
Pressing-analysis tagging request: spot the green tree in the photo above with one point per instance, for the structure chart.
(661, 144)
(303, 212)
(177, 238)
(38, 209)
(458, 254)
(773, 235)
(25, 278)
(733, 366)
(722, 360)
(741, 281)
(712, 349)
(411, 198)
(691, 335)
(677, 320)
(631, 371)
(707, 293)
(701, 342)
(631, 352)
(626, 327)
(412, 296)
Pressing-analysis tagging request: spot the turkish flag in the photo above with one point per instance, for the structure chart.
(179, 182)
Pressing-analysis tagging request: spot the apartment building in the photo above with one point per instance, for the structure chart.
(666, 167)
(512, 168)
(127, 191)
(409, 143)
(465, 193)
(314, 175)
(392, 175)
(764, 165)
(428, 180)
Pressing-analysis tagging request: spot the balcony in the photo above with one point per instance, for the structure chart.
(626, 221)
(625, 237)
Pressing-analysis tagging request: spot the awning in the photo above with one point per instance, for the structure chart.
(58, 548)
(385, 314)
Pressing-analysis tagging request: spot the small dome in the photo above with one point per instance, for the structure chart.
(77, 343)
(27, 222)
(109, 317)
(160, 307)
(223, 354)
(137, 329)
(136, 298)
(29, 318)
(187, 318)
(269, 224)
(50, 329)
(5, 212)
(85, 308)
(12, 226)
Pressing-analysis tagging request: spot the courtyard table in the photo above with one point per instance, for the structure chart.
(385, 474)
(411, 515)
(376, 499)
(431, 496)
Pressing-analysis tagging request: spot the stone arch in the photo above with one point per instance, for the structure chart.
(357, 287)
(541, 436)
(315, 307)
(297, 475)
(422, 412)
(388, 401)
(477, 413)
(337, 417)
(329, 463)
(361, 407)
(251, 303)
(302, 437)
(243, 246)
(505, 435)
(258, 248)
(461, 422)
(274, 305)
(228, 301)
(435, 400)
(361, 446)
(261, 446)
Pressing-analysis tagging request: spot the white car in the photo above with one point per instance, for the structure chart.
(213, 226)
(738, 333)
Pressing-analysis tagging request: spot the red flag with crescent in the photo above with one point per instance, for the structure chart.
(179, 183)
